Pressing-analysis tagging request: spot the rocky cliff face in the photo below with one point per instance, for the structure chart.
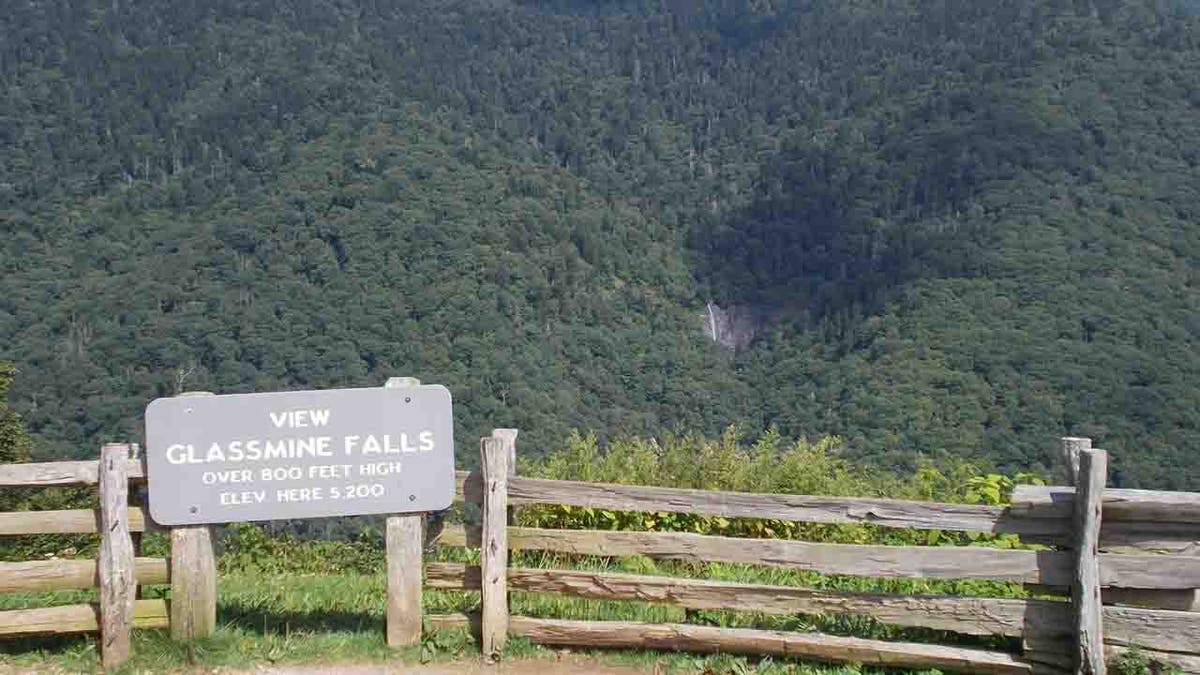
(735, 326)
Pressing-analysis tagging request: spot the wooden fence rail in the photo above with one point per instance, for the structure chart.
(60, 474)
(1108, 545)
(58, 575)
(116, 572)
(1172, 631)
(1149, 520)
(71, 521)
(1045, 568)
(66, 619)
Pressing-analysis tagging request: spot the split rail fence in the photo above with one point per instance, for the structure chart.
(117, 571)
(1124, 562)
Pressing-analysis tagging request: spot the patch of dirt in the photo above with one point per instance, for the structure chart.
(563, 665)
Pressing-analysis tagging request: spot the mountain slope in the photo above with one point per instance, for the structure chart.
(972, 226)
(359, 235)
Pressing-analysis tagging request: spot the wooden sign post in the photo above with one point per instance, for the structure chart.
(193, 577)
(405, 543)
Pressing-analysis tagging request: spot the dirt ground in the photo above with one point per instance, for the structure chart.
(566, 665)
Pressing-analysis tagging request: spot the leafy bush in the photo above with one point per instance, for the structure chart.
(246, 547)
(1134, 662)
(770, 464)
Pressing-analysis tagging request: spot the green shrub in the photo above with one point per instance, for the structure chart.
(246, 547)
(768, 465)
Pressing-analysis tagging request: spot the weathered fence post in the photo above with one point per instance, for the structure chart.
(193, 577)
(118, 585)
(1184, 600)
(404, 542)
(493, 548)
(508, 438)
(1072, 446)
(1085, 589)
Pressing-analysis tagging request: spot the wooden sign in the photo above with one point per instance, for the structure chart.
(299, 454)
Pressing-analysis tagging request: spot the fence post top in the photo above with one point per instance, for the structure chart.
(1072, 446)
(130, 450)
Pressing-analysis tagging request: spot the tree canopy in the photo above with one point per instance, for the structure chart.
(966, 228)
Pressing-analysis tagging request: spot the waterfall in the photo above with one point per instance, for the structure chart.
(712, 321)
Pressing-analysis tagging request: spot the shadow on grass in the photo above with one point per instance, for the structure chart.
(273, 622)
(45, 643)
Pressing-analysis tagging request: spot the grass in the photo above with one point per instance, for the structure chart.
(296, 618)
(319, 602)
(285, 601)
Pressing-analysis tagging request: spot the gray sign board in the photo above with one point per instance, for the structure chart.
(299, 454)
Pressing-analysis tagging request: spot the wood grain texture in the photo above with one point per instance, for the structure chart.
(508, 438)
(1158, 629)
(193, 582)
(43, 474)
(1149, 571)
(1157, 506)
(461, 621)
(494, 547)
(1151, 629)
(1044, 520)
(1085, 587)
(1183, 601)
(1048, 568)
(1049, 654)
(885, 561)
(1072, 446)
(686, 637)
(1181, 654)
(71, 521)
(817, 509)
(56, 575)
(970, 616)
(404, 542)
(404, 560)
(76, 618)
(894, 513)
(115, 565)
(1136, 536)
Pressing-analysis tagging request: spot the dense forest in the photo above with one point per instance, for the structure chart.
(960, 229)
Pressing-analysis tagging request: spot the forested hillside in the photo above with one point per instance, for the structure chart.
(965, 228)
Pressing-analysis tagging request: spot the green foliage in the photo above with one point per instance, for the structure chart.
(15, 446)
(14, 441)
(995, 489)
(1134, 662)
(285, 599)
(436, 644)
(770, 464)
(246, 547)
(958, 229)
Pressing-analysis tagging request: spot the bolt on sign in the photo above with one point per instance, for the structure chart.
(299, 454)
